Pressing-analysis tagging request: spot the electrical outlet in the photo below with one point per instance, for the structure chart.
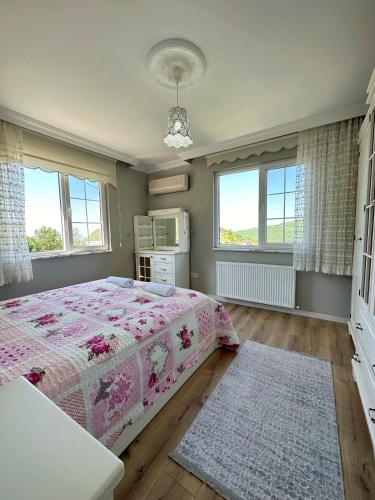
(195, 275)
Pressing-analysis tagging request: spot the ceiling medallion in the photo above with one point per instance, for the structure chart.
(176, 63)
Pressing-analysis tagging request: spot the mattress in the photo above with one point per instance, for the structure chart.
(105, 354)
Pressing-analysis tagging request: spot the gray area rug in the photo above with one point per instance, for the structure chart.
(268, 430)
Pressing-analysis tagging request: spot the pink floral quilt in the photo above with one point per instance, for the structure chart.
(104, 354)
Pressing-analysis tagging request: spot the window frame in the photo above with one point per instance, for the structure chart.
(66, 220)
(262, 207)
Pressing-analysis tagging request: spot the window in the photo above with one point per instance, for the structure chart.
(255, 207)
(239, 204)
(44, 227)
(86, 212)
(64, 213)
(281, 198)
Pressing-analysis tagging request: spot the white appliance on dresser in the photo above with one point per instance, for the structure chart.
(362, 320)
(162, 244)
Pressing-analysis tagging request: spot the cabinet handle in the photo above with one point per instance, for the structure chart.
(356, 358)
(163, 269)
(371, 414)
(359, 327)
(373, 368)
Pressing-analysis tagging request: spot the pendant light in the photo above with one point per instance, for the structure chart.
(178, 128)
(176, 64)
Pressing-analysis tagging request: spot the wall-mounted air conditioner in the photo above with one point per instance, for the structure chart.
(169, 184)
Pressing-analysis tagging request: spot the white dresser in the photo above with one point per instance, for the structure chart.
(162, 244)
(362, 321)
(170, 268)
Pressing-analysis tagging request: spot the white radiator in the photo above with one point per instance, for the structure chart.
(263, 283)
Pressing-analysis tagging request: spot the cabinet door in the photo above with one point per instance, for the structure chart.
(143, 232)
(366, 265)
(359, 228)
(144, 267)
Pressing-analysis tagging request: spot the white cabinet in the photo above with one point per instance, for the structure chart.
(362, 321)
(46, 455)
(170, 268)
(162, 243)
(143, 232)
(162, 230)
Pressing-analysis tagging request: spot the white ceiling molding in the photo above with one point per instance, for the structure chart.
(213, 148)
(142, 167)
(279, 130)
(50, 131)
(272, 146)
(167, 165)
(167, 55)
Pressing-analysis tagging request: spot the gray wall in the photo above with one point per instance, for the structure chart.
(319, 293)
(56, 272)
(325, 294)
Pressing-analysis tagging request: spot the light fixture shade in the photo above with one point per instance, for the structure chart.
(178, 128)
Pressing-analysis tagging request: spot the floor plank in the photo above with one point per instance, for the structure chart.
(191, 483)
(149, 472)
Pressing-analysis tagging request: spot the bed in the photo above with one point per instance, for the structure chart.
(110, 357)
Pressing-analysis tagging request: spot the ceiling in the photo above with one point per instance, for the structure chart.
(79, 66)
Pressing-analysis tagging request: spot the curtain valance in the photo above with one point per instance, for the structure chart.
(55, 156)
(270, 146)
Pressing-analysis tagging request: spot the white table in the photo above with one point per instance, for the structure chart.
(46, 455)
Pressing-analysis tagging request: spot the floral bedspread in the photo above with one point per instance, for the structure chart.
(104, 354)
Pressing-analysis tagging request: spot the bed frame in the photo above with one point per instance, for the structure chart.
(132, 432)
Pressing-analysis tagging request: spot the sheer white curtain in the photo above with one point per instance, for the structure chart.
(15, 262)
(326, 197)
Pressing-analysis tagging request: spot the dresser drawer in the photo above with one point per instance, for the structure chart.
(163, 259)
(164, 278)
(162, 268)
(366, 339)
(366, 389)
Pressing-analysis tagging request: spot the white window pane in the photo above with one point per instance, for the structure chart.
(78, 210)
(92, 190)
(289, 231)
(275, 231)
(275, 206)
(95, 234)
(43, 211)
(290, 202)
(80, 235)
(239, 202)
(275, 180)
(290, 181)
(93, 211)
(76, 187)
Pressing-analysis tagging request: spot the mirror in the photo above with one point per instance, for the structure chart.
(166, 232)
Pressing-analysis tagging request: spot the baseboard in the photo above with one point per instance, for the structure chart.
(297, 312)
(350, 328)
(351, 332)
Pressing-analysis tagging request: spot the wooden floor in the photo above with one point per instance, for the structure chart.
(151, 475)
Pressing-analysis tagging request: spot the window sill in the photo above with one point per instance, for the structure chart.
(52, 255)
(255, 249)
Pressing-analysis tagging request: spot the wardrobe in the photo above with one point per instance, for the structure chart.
(362, 320)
